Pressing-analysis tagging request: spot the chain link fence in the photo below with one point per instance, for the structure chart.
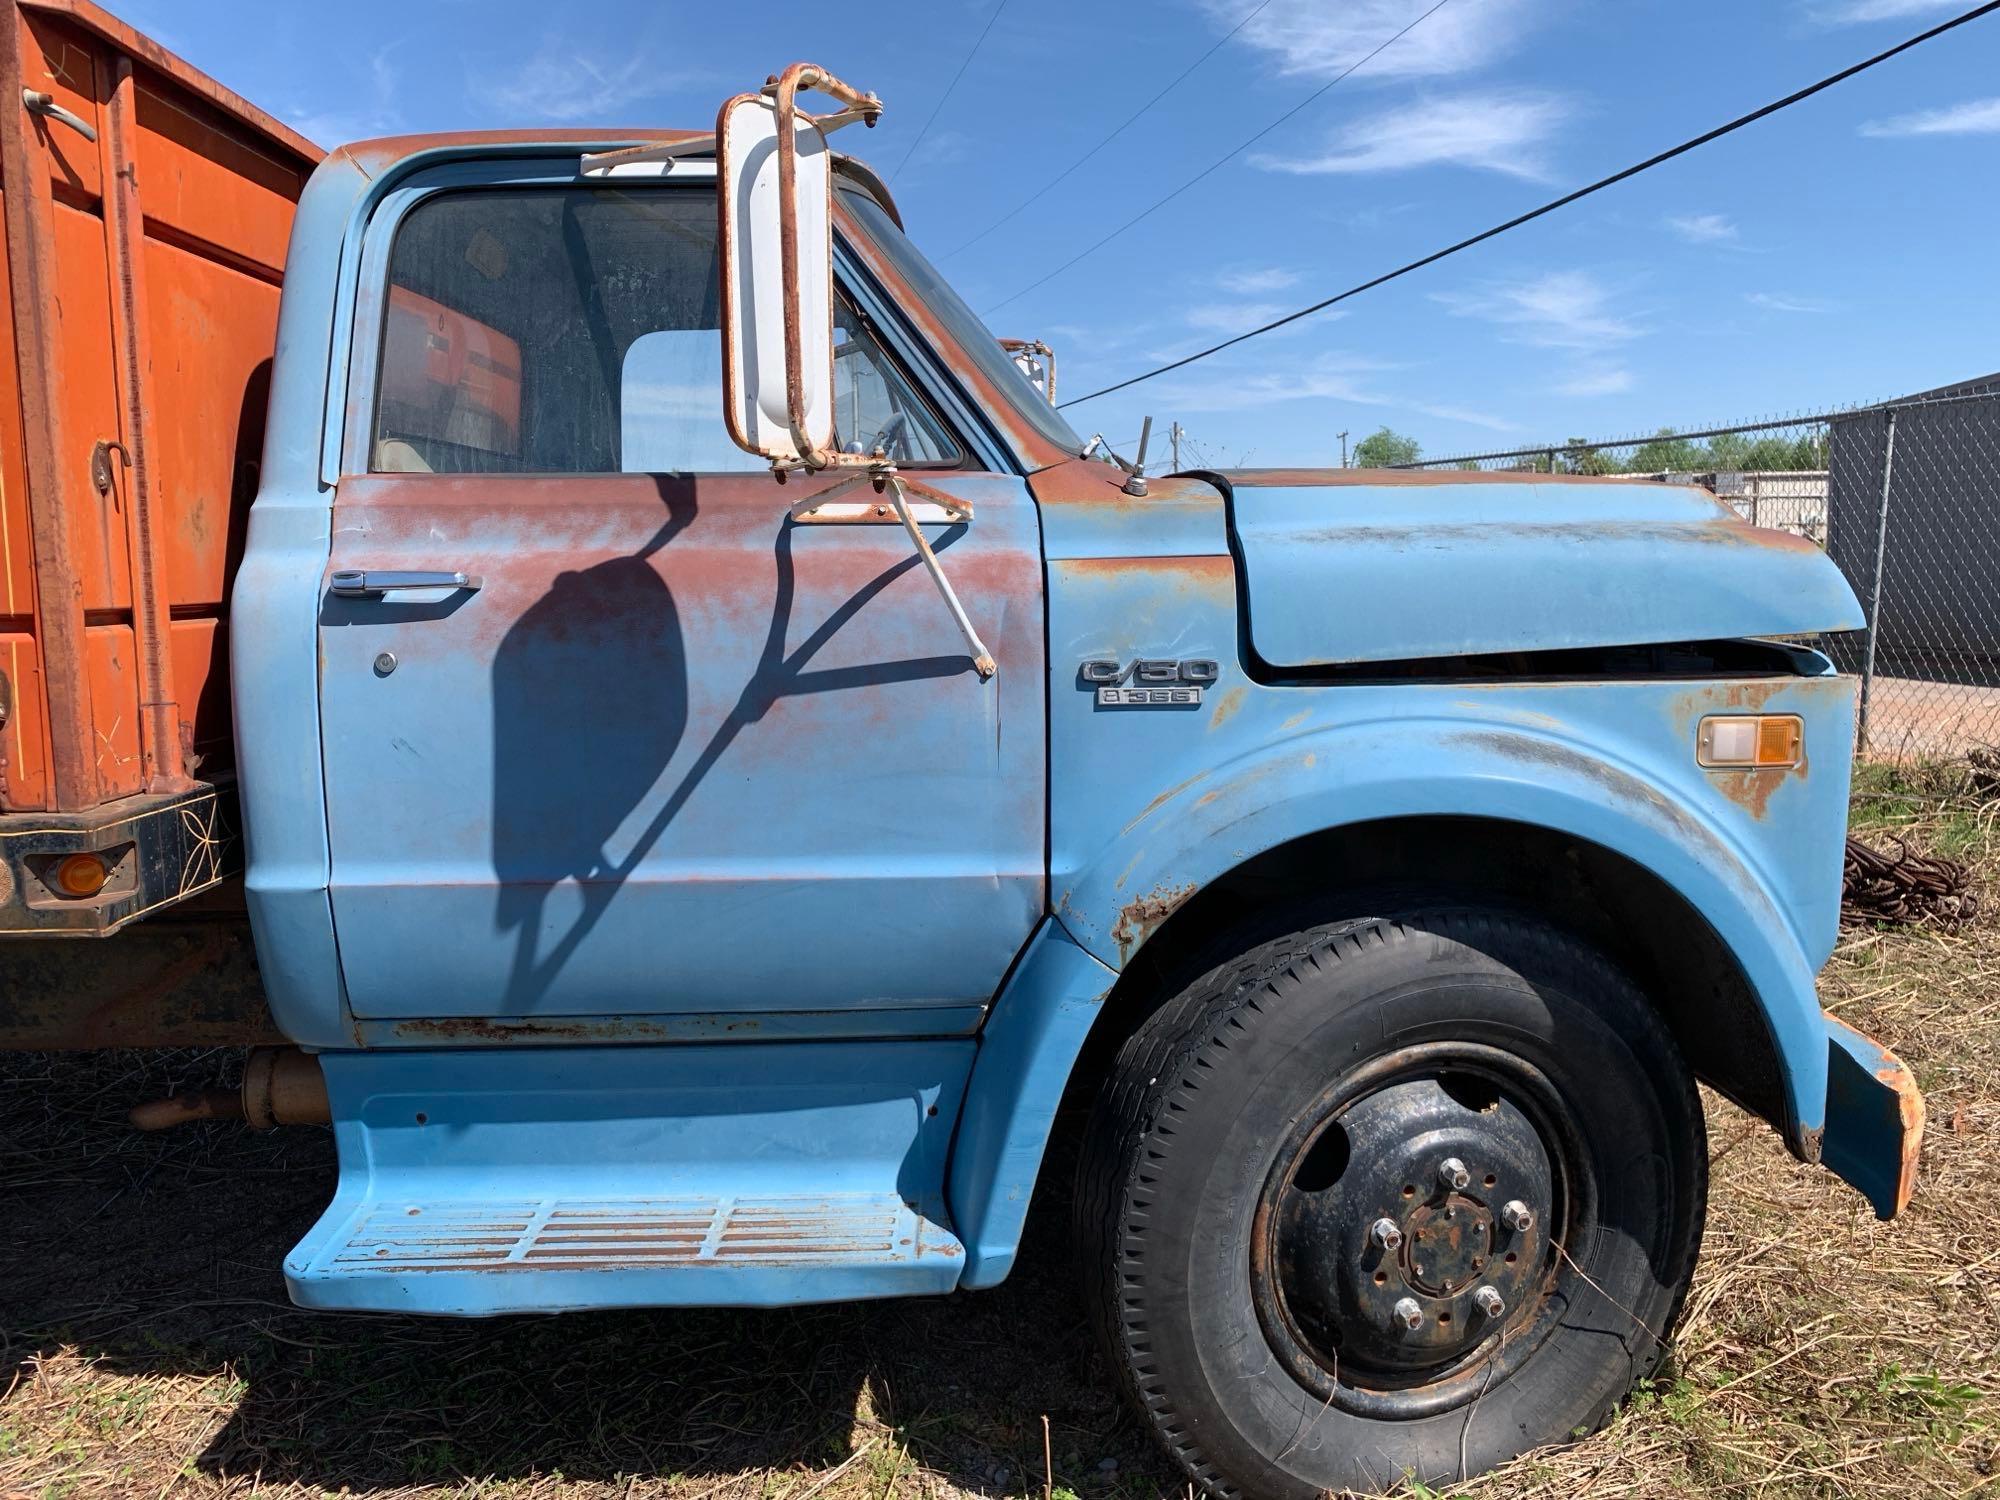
(1905, 498)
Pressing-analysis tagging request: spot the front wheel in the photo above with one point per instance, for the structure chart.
(1391, 1199)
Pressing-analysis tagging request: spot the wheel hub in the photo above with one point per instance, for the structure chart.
(1450, 1244)
(1411, 1227)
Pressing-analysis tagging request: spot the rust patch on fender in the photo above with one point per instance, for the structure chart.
(1226, 706)
(1750, 695)
(1158, 802)
(1750, 790)
(1910, 1110)
(1627, 791)
(1138, 919)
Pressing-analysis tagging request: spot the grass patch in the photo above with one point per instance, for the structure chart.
(1948, 808)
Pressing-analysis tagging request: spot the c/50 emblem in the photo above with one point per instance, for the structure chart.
(1148, 682)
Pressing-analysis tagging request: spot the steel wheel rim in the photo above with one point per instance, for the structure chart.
(1313, 1328)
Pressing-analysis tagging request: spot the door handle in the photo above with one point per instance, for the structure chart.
(368, 583)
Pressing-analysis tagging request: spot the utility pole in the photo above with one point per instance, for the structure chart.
(1343, 450)
(1174, 436)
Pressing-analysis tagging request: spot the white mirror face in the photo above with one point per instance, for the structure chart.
(754, 392)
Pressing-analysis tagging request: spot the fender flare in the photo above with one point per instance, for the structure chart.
(1206, 827)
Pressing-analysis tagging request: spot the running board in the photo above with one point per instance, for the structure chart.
(548, 1179)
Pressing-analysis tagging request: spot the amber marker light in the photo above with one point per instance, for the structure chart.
(1750, 741)
(80, 875)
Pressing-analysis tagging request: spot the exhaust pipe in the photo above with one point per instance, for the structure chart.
(281, 1086)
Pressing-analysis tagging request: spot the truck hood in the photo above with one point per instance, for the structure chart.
(1360, 565)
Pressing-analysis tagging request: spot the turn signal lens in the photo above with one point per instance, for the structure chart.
(81, 875)
(1750, 740)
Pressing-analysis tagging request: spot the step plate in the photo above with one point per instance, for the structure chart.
(557, 1254)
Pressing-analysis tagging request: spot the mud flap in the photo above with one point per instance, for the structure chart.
(1874, 1119)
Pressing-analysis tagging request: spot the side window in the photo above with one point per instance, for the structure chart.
(576, 330)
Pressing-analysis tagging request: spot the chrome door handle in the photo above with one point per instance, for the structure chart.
(366, 583)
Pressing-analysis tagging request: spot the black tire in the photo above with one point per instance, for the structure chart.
(1243, 1126)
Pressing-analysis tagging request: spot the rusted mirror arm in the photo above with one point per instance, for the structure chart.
(784, 90)
(881, 475)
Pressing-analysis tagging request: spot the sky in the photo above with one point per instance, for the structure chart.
(1839, 252)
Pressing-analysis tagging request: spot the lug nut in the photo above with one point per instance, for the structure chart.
(1517, 1216)
(1408, 1314)
(1489, 1302)
(1452, 1173)
(1385, 1233)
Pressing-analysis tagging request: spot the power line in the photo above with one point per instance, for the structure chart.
(948, 90)
(1568, 198)
(1127, 123)
(1219, 162)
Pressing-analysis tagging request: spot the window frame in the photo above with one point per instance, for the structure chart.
(358, 394)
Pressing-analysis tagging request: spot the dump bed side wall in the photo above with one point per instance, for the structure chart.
(154, 321)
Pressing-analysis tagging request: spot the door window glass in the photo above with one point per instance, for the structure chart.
(576, 330)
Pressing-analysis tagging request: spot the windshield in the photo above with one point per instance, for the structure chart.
(962, 322)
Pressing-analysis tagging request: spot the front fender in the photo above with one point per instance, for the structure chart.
(1117, 896)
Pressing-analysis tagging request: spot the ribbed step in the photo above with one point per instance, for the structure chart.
(622, 1252)
(546, 1179)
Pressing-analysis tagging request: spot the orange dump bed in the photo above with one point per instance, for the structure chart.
(141, 280)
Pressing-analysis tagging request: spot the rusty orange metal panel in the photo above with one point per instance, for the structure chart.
(24, 737)
(86, 395)
(17, 545)
(114, 700)
(200, 651)
(98, 22)
(62, 62)
(209, 180)
(143, 322)
(159, 708)
(38, 365)
(210, 331)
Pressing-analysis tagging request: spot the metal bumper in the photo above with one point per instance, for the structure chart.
(1874, 1119)
(158, 850)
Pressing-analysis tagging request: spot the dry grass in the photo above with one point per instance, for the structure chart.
(146, 1347)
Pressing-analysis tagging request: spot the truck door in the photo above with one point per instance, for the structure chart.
(642, 746)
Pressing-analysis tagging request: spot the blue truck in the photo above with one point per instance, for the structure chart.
(724, 765)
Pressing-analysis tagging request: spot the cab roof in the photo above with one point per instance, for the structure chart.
(380, 154)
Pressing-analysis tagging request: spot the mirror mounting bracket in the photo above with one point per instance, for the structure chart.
(881, 475)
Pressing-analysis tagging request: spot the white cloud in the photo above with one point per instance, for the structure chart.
(1851, 12)
(1326, 377)
(1974, 117)
(1702, 229)
(1558, 310)
(1233, 317)
(1465, 414)
(1323, 38)
(371, 111)
(564, 82)
(1607, 380)
(1248, 283)
(1332, 375)
(1500, 132)
(940, 149)
(1777, 302)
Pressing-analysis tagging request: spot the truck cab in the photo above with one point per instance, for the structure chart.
(723, 762)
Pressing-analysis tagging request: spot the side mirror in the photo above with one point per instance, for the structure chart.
(774, 181)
